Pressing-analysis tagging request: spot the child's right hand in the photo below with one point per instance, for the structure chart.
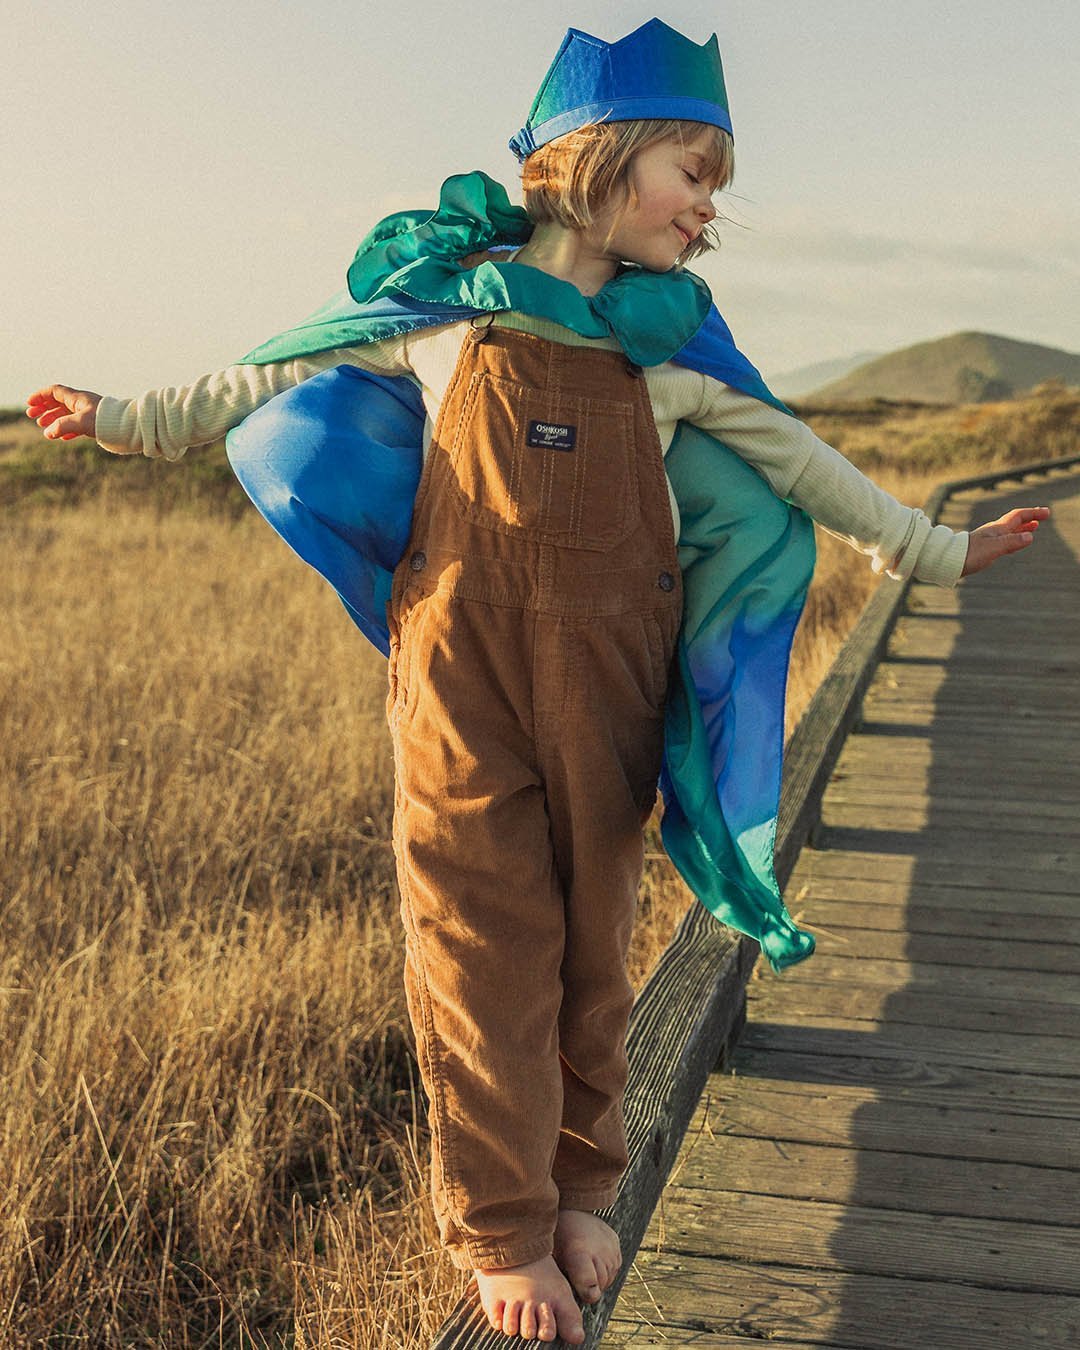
(64, 413)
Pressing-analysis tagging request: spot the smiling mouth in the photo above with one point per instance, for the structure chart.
(687, 240)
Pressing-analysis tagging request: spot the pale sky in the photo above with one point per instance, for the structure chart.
(182, 181)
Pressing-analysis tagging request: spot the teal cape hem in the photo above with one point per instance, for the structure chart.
(334, 463)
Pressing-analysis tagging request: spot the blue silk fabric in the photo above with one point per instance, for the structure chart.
(334, 463)
(653, 72)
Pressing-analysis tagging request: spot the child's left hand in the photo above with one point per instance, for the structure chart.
(1008, 534)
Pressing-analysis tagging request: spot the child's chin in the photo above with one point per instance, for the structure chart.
(655, 267)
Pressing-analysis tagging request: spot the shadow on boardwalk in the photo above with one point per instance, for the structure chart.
(969, 1209)
(895, 1163)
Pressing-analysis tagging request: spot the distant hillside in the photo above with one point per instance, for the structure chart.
(964, 368)
(798, 383)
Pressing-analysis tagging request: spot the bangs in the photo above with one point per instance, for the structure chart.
(715, 147)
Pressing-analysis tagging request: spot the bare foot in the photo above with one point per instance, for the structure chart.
(533, 1301)
(588, 1250)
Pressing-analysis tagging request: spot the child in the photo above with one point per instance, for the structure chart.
(528, 586)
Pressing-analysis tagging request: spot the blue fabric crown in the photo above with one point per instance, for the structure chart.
(654, 72)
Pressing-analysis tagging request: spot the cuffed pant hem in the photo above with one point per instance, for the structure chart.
(477, 1256)
(598, 1197)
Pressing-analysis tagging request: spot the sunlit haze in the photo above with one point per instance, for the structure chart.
(183, 181)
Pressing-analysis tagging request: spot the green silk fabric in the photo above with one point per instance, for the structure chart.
(412, 258)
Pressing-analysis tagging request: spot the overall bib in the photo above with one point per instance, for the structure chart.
(533, 622)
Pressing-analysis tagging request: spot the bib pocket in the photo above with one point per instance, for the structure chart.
(552, 470)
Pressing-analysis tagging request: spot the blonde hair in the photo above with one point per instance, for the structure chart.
(572, 177)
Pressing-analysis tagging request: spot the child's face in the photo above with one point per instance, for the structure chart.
(668, 206)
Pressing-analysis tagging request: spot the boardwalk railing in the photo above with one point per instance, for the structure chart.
(688, 1017)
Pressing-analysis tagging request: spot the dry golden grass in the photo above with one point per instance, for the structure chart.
(208, 1088)
(211, 1129)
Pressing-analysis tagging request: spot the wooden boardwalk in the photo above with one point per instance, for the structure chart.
(893, 1160)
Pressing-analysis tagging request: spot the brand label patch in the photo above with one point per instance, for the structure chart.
(552, 435)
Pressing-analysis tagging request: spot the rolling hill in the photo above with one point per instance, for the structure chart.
(806, 379)
(963, 368)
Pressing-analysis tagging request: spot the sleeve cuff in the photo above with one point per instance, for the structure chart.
(942, 557)
(931, 553)
(113, 423)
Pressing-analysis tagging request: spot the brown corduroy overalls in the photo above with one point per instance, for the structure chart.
(533, 622)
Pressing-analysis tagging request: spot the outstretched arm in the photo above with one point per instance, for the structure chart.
(803, 469)
(164, 423)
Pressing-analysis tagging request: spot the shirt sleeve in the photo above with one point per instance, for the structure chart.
(164, 423)
(800, 467)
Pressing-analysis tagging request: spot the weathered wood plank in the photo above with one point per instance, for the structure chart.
(1001, 1051)
(957, 980)
(838, 916)
(866, 1240)
(945, 640)
(1050, 795)
(1026, 817)
(886, 782)
(1004, 703)
(948, 738)
(968, 950)
(906, 756)
(866, 1177)
(943, 896)
(857, 1116)
(914, 1007)
(863, 1312)
(1056, 877)
(986, 607)
(974, 718)
(624, 1335)
(1043, 687)
(1004, 848)
(937, 1084)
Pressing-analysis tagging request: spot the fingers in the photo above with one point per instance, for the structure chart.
(1022, 518)
(65, 429)
(63, 413)
(1013, 543)
(58, 424)
(52, 396)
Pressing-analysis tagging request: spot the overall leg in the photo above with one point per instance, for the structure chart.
(600, 762)
(484, 925)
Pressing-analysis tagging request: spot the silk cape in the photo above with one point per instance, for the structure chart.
(334, 464)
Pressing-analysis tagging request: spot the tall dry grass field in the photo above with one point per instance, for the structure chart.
(211, 1128)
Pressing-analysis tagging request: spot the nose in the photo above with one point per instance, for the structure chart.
(706, 209)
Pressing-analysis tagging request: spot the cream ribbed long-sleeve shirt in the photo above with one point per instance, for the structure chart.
(796, 464)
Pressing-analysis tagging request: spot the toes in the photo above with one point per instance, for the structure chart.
(511, 1318)
(546, 1323)
(573, 1332)
(585, 1277)
(582, 1271)
(495, 1315)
